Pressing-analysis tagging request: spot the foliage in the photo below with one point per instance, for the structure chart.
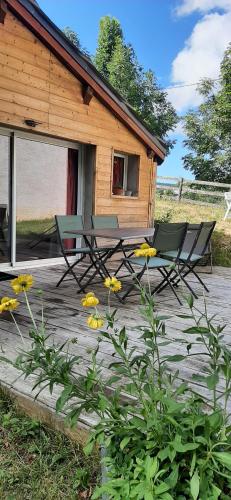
(117, 62)
(208, 129)
(38, 463)
(72, 36)
(109, 33)
(163, 439)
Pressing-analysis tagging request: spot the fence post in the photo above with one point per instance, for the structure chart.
(180, 188)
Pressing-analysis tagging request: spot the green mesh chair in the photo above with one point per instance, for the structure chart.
(105, 221)
(168, 237)
(111, 222)
(68, 249)
(197, 246)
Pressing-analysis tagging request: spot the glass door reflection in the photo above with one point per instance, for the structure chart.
(5, 197)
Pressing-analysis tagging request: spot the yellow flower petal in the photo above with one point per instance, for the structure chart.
(144, 246)
(90, 300)
(8, 304)
(113, 284)
(95, 322)
(23, 283)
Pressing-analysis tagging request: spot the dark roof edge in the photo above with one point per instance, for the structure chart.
(88, 67)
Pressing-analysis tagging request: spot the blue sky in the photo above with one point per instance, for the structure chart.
(175, 38)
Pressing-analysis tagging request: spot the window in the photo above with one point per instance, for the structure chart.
(125, 178)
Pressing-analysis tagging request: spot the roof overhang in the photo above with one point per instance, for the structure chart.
(46, 31)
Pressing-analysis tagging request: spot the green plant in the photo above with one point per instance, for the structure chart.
(165, 217)
(163, 439)
(39, 463)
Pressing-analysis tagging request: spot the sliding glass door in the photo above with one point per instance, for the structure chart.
(42, 177)
(5, 200)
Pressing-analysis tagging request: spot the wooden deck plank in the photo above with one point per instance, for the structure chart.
(66, 320)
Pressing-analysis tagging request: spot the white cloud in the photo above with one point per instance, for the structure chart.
(188, 6)
(202, 53)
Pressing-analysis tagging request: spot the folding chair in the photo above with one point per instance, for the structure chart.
(170, 236)
(111, 222)
(191, 257)
(228, 203)
(68, 223)
(189, 241)
(108, 222)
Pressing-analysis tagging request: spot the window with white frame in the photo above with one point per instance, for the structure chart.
(125, 179)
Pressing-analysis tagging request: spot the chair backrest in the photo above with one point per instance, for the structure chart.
(191, 237)
(203, 238)
(170, 236)
(68, 223)
(104, 221)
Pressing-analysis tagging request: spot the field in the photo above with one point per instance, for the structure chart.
(37, 463)
(175, 211)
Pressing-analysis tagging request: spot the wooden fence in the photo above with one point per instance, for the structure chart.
(178, 188)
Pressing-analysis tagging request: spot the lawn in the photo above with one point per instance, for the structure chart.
(175, 211)
(34, 226)
(38, 463)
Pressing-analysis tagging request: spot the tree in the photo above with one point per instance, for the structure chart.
(72, 36)
(208, 128)
(117, 61)
(122, 72)
(109, 33)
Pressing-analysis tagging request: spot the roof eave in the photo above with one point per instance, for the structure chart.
(52, 37)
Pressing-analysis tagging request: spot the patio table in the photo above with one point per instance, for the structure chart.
(119, 235)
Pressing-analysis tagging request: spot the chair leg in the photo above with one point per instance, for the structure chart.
(138, 277)
(166, 276)
(70, 270)
(199, 279)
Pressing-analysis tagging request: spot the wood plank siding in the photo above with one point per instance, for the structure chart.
(35, 85)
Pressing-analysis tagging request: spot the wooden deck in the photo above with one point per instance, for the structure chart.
(66, 319)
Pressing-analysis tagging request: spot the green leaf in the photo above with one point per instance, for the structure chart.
(224, 458)
(190, 301)
(212, 381)
(64, 397)
(173, 477)
(161, 488)
(148, 495)
(124, 442)
(89, 447)
(151, 467)
(215, 492)
(195, 485)
(195, 330)
(175, 358)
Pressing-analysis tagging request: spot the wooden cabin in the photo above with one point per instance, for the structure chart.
(69, 143)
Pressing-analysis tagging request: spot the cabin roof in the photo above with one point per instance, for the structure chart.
(80, 65)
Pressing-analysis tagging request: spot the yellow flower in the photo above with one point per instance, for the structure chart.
(23, 283)
(144, 246)
(8, 304)
(113, 284)
(95, 322)
(145, 251)
(90, 300)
